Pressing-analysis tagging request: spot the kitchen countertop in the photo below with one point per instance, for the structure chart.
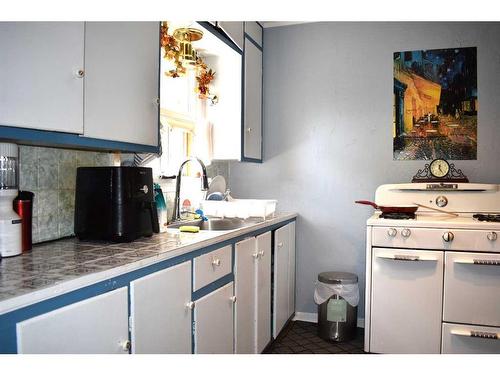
(61, 266)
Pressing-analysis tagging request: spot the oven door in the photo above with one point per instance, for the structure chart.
(468, 339)
(406, 301)
(472, 288)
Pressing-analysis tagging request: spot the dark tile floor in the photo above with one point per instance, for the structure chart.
(302, 338)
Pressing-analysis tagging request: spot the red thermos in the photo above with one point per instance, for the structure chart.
(23, 205)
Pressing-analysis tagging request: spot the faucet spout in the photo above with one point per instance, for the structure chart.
(204, 185)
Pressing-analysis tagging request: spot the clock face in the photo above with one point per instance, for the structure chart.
(439, 168)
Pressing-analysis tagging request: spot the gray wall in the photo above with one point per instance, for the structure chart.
(328, 91)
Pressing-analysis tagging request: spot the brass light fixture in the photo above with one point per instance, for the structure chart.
(185, 36)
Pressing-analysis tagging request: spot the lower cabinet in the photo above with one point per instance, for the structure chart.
(213, 322)
(406, 300)
(283, 277)
(160, 315)
(98, 325)
(253, 292)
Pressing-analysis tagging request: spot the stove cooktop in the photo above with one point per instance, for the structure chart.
(397, 216)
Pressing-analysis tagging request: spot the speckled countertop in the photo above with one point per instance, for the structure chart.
(60, 266)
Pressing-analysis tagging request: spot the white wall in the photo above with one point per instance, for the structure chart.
(328, 139)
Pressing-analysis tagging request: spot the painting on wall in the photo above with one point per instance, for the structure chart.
(435, 104)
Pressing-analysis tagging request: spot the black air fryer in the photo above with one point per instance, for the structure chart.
(114, 203)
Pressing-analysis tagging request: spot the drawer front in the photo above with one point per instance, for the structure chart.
(406, 301)
(468, 339)
(427, 238)
(211, 266)
(472, 288)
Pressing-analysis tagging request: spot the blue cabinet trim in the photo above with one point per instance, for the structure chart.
(60, 139)
(8, 321)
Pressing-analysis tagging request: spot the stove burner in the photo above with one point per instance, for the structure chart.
(487, 217)
(397, 216)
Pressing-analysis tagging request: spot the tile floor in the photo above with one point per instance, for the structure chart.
(302, 338)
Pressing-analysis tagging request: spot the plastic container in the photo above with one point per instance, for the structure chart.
(337, 296)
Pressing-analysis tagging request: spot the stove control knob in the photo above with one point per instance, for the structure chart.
(392, 232)
(441, 201)
(492, 236)
(448, 237)
(406, 233)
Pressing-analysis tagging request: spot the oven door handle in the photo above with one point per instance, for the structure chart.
(479, 262)
(407, 258)
(476, 334)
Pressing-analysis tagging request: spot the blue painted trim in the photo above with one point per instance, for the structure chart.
(59, 139)
(8, 339)
(254, 42)
(212, 286)
(220, 34)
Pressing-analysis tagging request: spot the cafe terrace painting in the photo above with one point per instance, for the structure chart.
(435, 104)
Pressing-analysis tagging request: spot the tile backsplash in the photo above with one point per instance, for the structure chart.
(50, 173)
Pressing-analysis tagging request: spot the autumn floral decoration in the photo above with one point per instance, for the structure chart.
(204, 75)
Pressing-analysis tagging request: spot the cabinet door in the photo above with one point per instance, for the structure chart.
(213, 318)
(41, 88)
(246, 258)
(263, 293)
(252, 119)
(121, 81)
(281, 278)
(160, 318)
(407, 288)
(291, 269)
(98, 325)
(234, 30)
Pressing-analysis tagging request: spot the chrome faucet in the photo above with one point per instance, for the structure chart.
(204, 186)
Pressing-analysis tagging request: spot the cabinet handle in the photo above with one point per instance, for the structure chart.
(233, 299)
(216, 262)
(80, 73)
(280, 244)
(190, 305)
(261, 253)
(126, 345)
(477, 334)
(255, 255)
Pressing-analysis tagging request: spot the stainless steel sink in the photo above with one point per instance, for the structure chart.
(215, 223)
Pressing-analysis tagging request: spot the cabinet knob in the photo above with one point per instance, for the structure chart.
(492, 236)
(448, 237)
(255, 255)
(261, 253)
(233, 299)
(156, 101)
(216, 262)
(249, 130)
(280, 244)
(190, 305)
(80, 73)
(392, 232)
(126, 345)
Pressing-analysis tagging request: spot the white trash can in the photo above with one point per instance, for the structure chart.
(337, 297)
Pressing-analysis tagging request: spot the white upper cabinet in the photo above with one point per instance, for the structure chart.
(234, 30)
(252, 117)
(41, 75)
(121, 81)
(254, 31)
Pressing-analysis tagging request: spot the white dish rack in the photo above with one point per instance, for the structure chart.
(241, 208)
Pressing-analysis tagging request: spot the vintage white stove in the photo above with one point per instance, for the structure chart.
(433, 281)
